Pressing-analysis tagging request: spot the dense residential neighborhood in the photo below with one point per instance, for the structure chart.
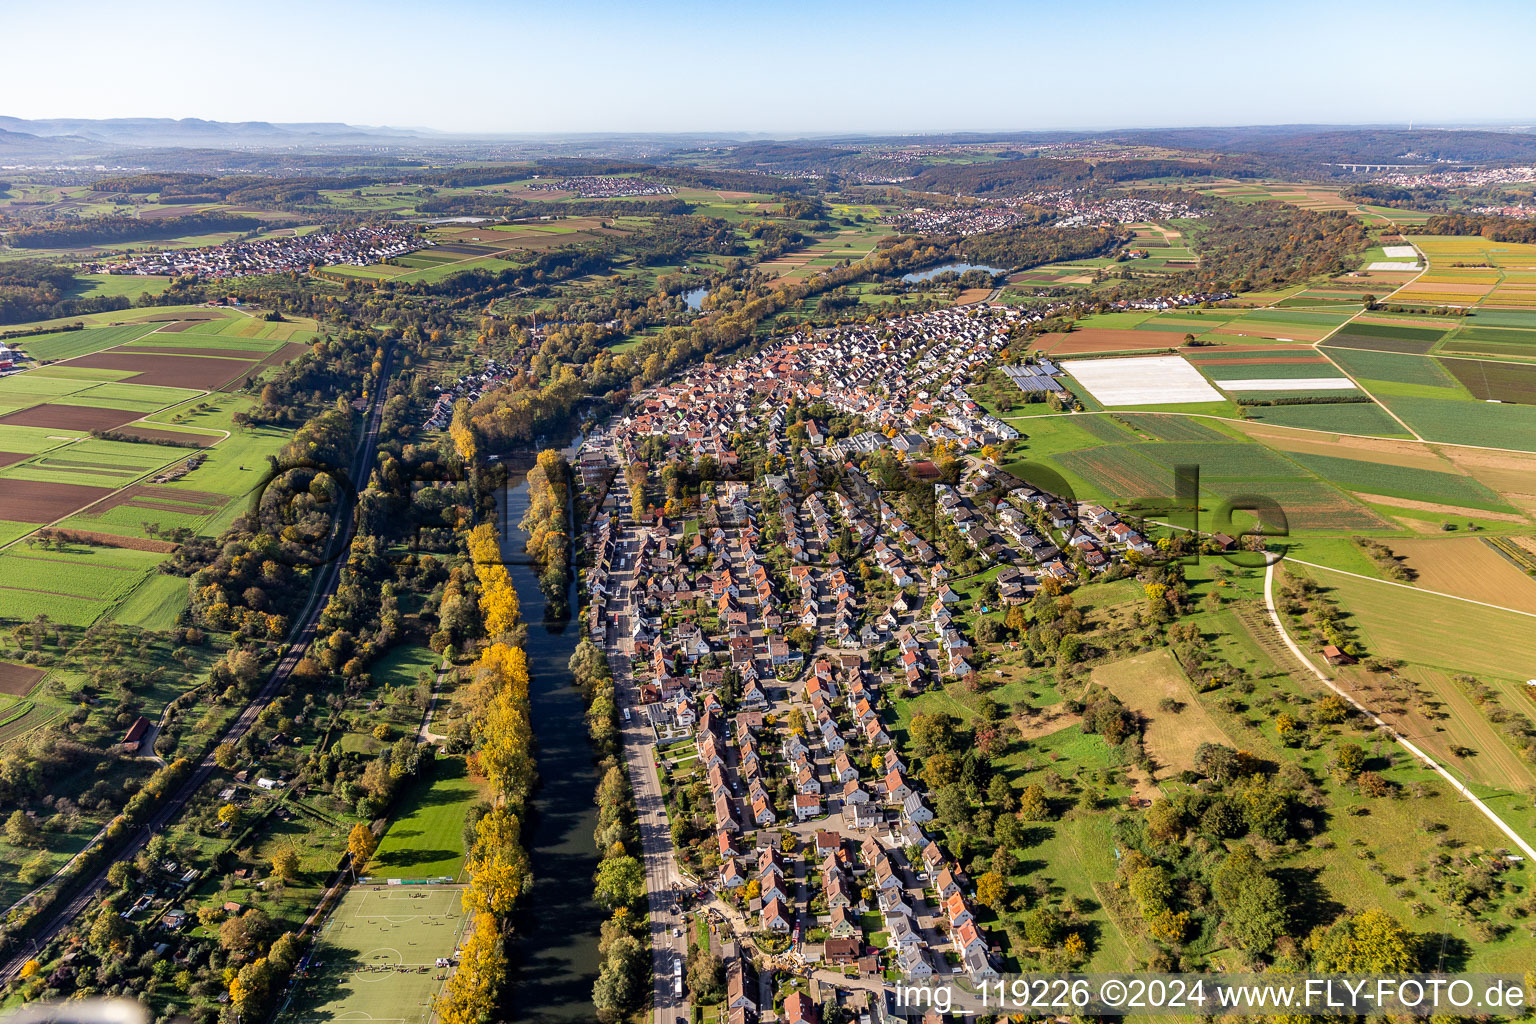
(602, 187)
(297, 253)
(764, 628)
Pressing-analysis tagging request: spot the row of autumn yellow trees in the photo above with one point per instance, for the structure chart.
(496, 702)
(547, 523)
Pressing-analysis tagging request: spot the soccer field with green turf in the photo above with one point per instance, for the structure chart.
(375, 959)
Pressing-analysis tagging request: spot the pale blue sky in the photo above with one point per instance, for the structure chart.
(679, 65)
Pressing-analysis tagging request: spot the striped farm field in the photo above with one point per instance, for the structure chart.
(77, 584)
(1368, 477)
(1282, 325)
(1523, 319)
(1293, 368)
(213, 342)
(68, 344)
(1493, 381)
(1347, 417)
(1224, 460)
(1119, 470)
(1174, 428)
(1463, 248)
(1096, 340)
(1455, 276)
(1467, 422)
(154, 604)
(1439, 298)
(1513, 348)
(1524, 298)
(1387, 337)
(1308, 503)
(1392, 366)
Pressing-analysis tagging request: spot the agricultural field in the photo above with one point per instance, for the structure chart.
(1449, 634)
(1494, 382)
(1345, 417)
(1373, 368)
(1292, 372)
(1368, 478)
(1494, 342)
(1161, 380)
(161, 384)
(1474, 271)
(1386, 337)
(1449, 647)
(1323, 478)
(1470, 567)
(1459, 420)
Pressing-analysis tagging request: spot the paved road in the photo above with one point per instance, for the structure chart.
(327, 578)
(662, 874)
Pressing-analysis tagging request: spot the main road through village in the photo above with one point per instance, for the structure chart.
(663, 878)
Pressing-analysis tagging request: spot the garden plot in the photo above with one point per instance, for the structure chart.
(1147, 380)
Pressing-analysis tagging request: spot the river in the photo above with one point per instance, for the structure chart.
(554, 946)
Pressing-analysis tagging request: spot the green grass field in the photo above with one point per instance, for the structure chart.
(1440, 632)
(133, 286)
(154, 604)
(31, 579)
(374, 960)
(425, 839)
(1396, 367)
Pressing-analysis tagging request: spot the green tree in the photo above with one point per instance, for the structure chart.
(705, 976)
(1252, 903)
(620, 882)
(1042, 928)
(1348, 761)
(620, 986)
(20, 829)
(109, 932)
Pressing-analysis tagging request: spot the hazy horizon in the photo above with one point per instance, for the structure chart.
(792, 69)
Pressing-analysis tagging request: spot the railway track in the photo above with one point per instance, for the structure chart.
(298, 643)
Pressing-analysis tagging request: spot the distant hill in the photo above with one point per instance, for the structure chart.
(196, 132)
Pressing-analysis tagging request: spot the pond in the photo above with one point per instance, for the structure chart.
(944, 268)
(694, 298)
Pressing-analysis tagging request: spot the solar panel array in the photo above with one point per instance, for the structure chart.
(1032, 377)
